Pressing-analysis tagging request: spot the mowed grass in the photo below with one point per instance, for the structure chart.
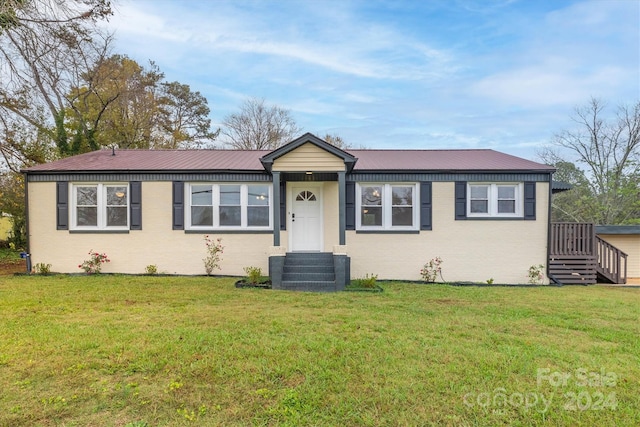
(158, 351)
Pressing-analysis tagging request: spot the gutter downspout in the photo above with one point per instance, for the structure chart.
(26, 221)
(549, 275)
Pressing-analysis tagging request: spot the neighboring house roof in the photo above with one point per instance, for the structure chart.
(560, 186)
(617, 229)
(250, 161)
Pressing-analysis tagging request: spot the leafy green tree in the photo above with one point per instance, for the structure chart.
(114, 104)
(125, 105)
(184, 117)
(12, 203)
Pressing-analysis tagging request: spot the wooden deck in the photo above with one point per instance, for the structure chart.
(578, 256)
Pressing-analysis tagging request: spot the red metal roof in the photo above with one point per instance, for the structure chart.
(156, 160)
(241, 160)
(478, 159)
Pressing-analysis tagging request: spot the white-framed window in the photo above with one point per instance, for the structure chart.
(100, 206)
(387, 206)
(494, 200)
(228, 206)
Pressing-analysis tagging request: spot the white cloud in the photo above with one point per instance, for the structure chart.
(585, 49)
(394, 73)
(544, 86)
(370, 51)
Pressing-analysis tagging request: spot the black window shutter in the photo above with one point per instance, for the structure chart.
(461, 200)
(62, 205)
(425, 206)
(283, 205)
(135, 205)
(350, 205)
(178, 205)
(530, 200)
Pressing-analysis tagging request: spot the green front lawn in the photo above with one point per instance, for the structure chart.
(133, 350)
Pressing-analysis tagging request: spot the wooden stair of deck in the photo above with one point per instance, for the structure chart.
(578, 256)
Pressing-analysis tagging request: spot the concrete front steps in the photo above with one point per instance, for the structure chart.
(309, 271)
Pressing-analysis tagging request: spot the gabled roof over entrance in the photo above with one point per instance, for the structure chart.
(308, 138)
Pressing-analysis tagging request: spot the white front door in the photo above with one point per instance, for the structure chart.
(306, 218)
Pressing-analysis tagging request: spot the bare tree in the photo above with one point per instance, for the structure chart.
(609, 153)
(337, 141)
(258, 127)
(14, 13)
(45, 48)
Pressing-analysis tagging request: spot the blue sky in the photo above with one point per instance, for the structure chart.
(501, 74)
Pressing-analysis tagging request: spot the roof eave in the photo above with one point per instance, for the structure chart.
(142, 171)
(546, 171)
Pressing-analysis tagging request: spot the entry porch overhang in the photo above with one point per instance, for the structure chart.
(311, 159)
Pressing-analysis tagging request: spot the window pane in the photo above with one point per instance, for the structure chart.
(116, 216)
(87, 216)
(371, 216)
(506, 193)
(258, 195)
(506, 206)
(306, 196)
(202, 215)
(201, 195)
(479, 192)
(402, 196)
(258, 216)
(87, 196)
(372, 196)
(116, 196)
(230, 195)
(402, 216)
(479, 206)
(230, 215)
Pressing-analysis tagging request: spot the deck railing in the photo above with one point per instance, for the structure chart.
(569, 238)
(612, 262)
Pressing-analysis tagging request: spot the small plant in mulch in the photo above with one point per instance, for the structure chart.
(151, 269)
(93, 265)
(366, 283)
(254, 279)
(430, 271)
(536, 274)
(42, 268)
(214, 254)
